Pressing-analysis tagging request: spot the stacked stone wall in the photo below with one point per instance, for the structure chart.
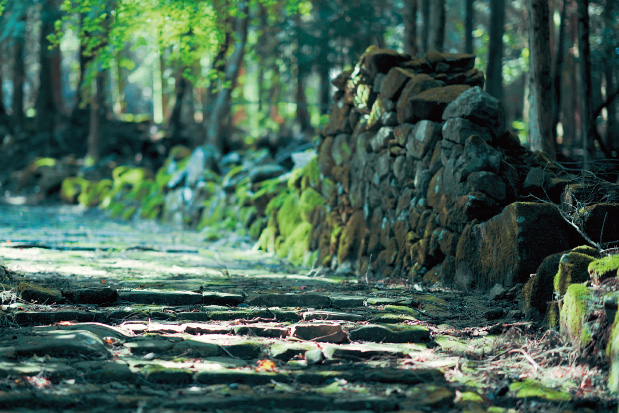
(423, 169)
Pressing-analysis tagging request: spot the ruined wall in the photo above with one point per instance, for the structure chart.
(423, 167)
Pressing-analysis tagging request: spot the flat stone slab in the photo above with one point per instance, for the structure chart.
(193, 346)
(217, 298)
(144, 346)
(329, 333)
(381, 334)
(91, 295)
(28, 318)
(283, 350)
(290, 300)
(361, 351)
(70, 344)
(99, 329)
(160, 297)
(262, 330)
(331, 315)
(347, 301)
(52, 371)
(246, 376)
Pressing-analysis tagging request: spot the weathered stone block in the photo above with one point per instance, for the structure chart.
(395, 81)
(414, 87)
(431, 103)
(509, 247)
(457, 130)
(478, 107)
(422, 138)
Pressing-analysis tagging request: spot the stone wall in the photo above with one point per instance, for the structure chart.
(428, 181)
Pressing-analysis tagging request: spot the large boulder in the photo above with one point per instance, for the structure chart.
(510, 246)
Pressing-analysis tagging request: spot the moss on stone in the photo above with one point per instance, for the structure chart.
(531, 388)
(72, 187)
(93, 193)
(604, 268)
(572, 269)
(352, 236)
(295, 246)
(572, 316)
(612, 352)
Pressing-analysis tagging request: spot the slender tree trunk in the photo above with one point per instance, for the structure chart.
(558, 70)
(3, 114)
(175, 121)
(494, 75)
(468, 27)
(541, 84)
(216, 130)
(410, 27)
(585, 86)
(219, 65)
(302, 115)
(46, 109)
(19, 78)
(437, 22)
(97, 115)
(610, 72)
(425, 33)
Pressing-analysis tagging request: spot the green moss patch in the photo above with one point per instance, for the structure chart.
(572, 269)
(531, 388)
(572, 316)
(604, 268)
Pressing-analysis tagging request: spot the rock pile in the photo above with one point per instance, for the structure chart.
(428, 181)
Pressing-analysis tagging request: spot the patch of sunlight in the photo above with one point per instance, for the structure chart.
(298, 277)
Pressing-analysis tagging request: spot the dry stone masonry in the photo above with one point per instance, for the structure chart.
(429, 183)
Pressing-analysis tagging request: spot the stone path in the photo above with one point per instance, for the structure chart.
(111, 316)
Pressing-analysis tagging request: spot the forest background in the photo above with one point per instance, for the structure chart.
(89, 77)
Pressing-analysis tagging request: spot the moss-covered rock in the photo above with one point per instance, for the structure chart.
(38, 294)
(352, 236)
(509, 247)
(572, 316)
(572, 269)
(604, 268)
(612, 352)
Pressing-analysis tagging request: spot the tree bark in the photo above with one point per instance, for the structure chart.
(46, 103)
(175, 121)
(302, 115)
(541, 85)
(410, 27)
(494, 76)
(19, 78)
(425, 33)
(216, 128)
(437, 22)
(558, 70)
(468, 27)
(585, 85)
(610, 72)
(97, 115)
(219, 65)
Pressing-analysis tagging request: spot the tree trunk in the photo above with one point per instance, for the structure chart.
(97, 115)
(302, 115)
(3, 114)
(557, 71)
(175, 121)
(410, 27)
(541, 84)
(46, 109)
(19, 78)
(437, 22)
(468, 27)
(610, 71)
(425, 33)
(494, 76)
(216, 129)
(585, 85)
(219, 65)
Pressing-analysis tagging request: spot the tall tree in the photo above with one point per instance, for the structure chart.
(494, 76)
(303, 115)
(585, 84)
(410, 27)
(218, 123)
(469, 20)
(541, 84)
(47, 99)
(425, 33)
(610, 72)
(19, 72)
(557, 70)
(437, 25)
